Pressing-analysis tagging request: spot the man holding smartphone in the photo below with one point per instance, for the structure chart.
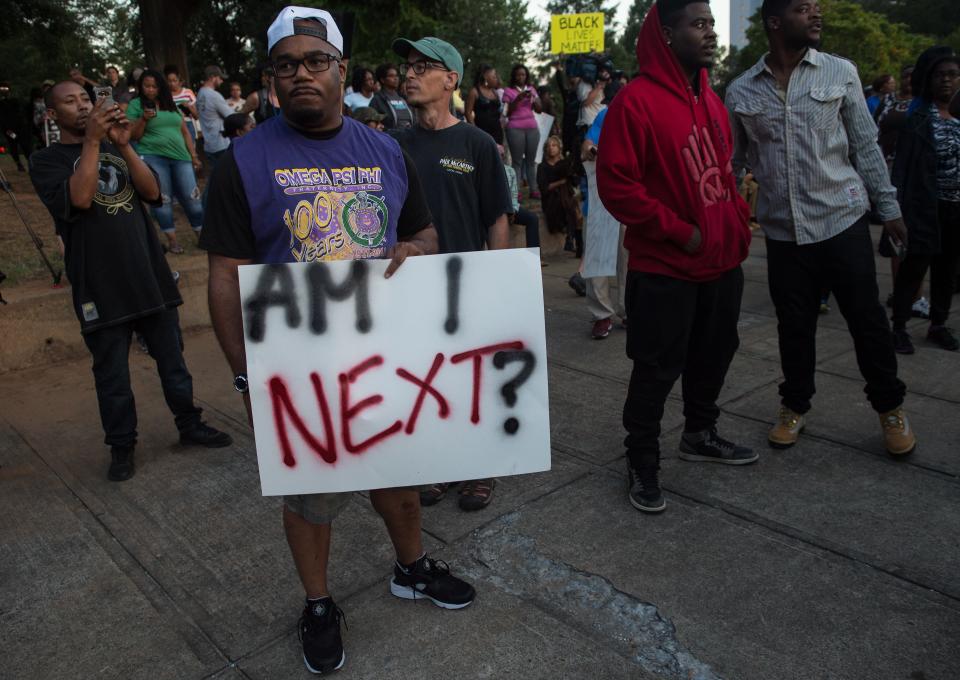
(801, 124)
(94, 184)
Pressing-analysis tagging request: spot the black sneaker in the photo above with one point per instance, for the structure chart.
(709, 447)
(643, 490)
(901, 342)
(204, 435)
(431, 579)
(121, 464)
(942, 336)
(319, 631)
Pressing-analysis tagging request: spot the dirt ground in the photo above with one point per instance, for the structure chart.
(19, 258)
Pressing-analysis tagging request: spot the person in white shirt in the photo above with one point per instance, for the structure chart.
(213, 110)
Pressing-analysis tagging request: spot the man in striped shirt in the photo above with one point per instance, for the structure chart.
(802, 126)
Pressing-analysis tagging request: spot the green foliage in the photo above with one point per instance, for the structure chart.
(726, 68)
(638, 11)
(42, 39)
(935, 17)
(868, 39)
(609, 9)
(233, 32)
(488, 32)
(113, 28)
(953, 40)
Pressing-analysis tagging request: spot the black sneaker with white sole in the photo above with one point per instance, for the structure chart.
(709, 447)
(431, 579)
(319, 631)
(643, 489)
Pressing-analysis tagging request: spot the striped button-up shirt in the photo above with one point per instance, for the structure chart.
(812, 149)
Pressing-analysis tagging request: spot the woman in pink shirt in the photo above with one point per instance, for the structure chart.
(523, 135)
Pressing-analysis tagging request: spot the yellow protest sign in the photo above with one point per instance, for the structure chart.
(576, 33)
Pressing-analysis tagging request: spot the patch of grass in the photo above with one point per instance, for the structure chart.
(23, 269)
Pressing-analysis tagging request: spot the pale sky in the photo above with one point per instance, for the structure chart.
(721, 10)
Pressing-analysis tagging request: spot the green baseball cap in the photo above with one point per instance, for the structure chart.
(434, 48)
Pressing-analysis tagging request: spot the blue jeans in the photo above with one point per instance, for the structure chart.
(176, 178)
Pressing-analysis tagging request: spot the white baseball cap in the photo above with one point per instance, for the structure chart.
(283, 26)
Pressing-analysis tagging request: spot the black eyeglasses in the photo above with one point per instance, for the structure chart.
(947, 75)
(420, 66)
(314, 63)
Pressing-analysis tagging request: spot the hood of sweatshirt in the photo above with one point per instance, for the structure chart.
(657, 62)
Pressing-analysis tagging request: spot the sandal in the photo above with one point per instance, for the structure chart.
(477, 494)
(176, 250)
(433, 494)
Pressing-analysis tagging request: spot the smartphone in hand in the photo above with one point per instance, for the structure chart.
(104, 92)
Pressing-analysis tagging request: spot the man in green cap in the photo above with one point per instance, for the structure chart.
(469, 197)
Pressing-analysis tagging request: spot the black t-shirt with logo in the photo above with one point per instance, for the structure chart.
(466, 186)
(114, 260)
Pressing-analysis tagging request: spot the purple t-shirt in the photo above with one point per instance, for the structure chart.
(329, 199)
(522, 116)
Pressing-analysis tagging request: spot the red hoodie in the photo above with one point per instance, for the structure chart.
(663, 165)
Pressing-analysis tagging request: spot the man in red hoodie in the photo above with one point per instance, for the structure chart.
(664, 170)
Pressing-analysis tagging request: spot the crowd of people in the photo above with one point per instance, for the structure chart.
(660, 226)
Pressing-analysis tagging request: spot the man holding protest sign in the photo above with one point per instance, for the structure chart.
(663, 170)
(256, 215)
(469, 199)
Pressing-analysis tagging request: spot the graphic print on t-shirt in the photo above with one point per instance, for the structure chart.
(458, 166)
(341, 215)
(114, 190)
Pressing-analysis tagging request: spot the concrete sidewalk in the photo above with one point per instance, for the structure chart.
(829, 560)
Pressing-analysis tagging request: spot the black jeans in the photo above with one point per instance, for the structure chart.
(844, 264)
(531, 225)
(943, 272)
(110, 348)
(677, 328)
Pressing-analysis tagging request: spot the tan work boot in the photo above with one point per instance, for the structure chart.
(784, 434)
(897, 432)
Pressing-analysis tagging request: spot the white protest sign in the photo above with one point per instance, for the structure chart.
(359, 382)
(544, 124)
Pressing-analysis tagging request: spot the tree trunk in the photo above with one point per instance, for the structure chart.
(163, 25)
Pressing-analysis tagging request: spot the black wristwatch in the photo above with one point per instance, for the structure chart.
(240, 383)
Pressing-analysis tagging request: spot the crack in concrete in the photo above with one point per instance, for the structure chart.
(633, 628)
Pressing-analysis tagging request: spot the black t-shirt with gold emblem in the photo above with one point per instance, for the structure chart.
(114, 260)
(465, 184)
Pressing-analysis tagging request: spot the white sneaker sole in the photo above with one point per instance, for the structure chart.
(644, 508)
(696, 458)
(408, 593)
(343, 659)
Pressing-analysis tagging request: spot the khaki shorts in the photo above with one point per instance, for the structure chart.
(318, 508)
(323, 508)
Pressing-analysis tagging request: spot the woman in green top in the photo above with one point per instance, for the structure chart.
(166, 146)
